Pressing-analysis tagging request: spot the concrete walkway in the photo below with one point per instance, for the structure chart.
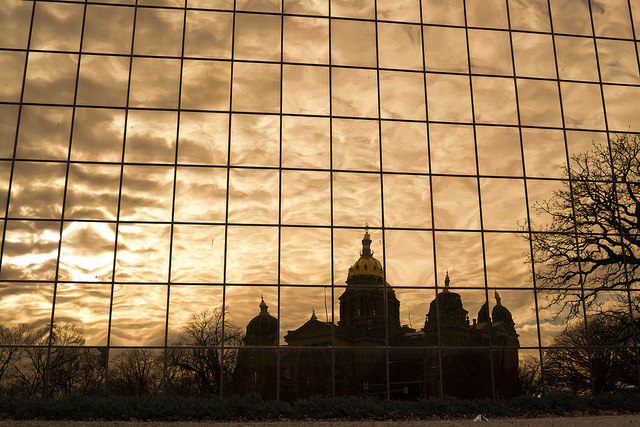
(599, 421)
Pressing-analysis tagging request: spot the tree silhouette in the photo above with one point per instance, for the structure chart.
(197, 371)
(568, 367)
(136, 372)
(71, 370)
(593, 237)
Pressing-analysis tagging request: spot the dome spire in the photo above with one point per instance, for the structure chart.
(366, 242)
(498, 299)
(313, 314)
(263, 306)
(446, 282)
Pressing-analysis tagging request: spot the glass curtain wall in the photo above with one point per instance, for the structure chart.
(392, 198)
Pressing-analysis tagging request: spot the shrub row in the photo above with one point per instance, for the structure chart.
(251, 407)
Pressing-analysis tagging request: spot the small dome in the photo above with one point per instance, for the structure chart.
(366, 265)
(500, 312)
(263, 324)
(483, 314)
(447, 301)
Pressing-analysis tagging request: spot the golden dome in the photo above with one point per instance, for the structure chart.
(366, 265)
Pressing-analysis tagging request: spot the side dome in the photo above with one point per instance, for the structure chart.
(366, 265)
(483, 314)
(447, 300)
(500, 312)
(262, 329)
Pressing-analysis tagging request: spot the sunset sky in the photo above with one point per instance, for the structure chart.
(150, 141)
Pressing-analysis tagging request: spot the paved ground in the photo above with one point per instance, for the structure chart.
(600, 421)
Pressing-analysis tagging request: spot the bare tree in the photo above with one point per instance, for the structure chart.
(197, 370)
(568, 367)
(136, 372)
(593, 238)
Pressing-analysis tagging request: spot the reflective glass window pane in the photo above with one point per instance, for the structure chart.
(503, 140)
(305, 256)
(203, 138)
(255, 140)
(158, 32)
(494, 100)
(544, 152)
(103, 80)
(57, 26)
(139, 308)
(452, 149)
(257, 37)
(460, 254)
(108, 29)
(490, 52)
(399, 46)
(530, 15)
(403, 267)
(443, 12)
(455, 203)
(37, 190)
(305, 90)
(146, 193)
(12, 66)
(30, 250)
(576, 59)
(402, 95)
(205, 85)
(98, 134)
(307, 7)
(208, 34)
(406, 201)
(256, 87)
(582, 104)
(44, 133)
(8, 129)
(154, 83)
(487, 13)
(51, 78)
(151, 136)
(618, 61)
(353, 8)
(533, 55)
(445, 49)
(503, 204)
(356, 199)
(86, 252)
(92, 191)
(571, 16)
(306, 40)
(253, 196)
(306, 198)
(15, 20)
(611, 18)
(252, 255)
(448, 98)
(142, 253)
(353, 43)
(354, 92)
(404, 147)
(200, 194)
(197, 255)
(355, 144)
(539, 103)
(399, 10)
(86, 307)
(621, 104)
(305, 142)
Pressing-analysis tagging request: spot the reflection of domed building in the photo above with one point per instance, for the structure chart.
(360, 359)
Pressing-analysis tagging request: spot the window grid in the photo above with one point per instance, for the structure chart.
(433, 230)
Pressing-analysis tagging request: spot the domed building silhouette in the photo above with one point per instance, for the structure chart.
(449, 353)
